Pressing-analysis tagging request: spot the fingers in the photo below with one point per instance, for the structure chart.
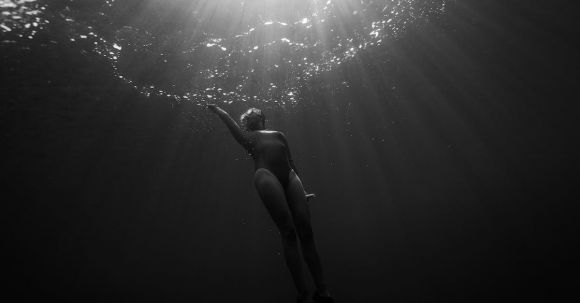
(212, 107)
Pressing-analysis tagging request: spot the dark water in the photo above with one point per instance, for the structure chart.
(440, 145)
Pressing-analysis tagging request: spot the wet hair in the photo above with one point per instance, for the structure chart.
(251, 119)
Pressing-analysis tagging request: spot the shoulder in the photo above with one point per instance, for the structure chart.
(268, 131)
(282, 137)
(271, 132)
(279, 135)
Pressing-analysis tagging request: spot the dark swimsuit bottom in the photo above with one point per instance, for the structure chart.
(283, 178)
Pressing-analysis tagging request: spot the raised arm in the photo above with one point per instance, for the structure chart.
(240, 135)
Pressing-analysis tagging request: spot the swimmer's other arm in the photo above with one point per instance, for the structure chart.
(234, 128)
(288, 154)
(293, 166)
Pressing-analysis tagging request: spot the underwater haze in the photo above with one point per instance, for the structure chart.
(438, 136)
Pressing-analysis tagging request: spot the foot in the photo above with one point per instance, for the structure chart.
(304, 298)
(322, 297)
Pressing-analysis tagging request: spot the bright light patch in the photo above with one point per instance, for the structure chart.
(199, 44)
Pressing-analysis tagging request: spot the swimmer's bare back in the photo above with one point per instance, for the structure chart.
(268, 148)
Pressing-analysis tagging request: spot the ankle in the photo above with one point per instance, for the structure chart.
(303, 296)
(322, 292)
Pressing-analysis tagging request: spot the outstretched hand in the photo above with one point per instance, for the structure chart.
(212, 107)
(309, 197)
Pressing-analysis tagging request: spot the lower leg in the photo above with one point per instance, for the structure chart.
(301, 218)
(314, 265)
(272, 194)
(294, 263)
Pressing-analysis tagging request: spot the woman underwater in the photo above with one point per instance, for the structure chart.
(282, 193)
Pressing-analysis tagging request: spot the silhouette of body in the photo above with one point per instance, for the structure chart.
(277, 182)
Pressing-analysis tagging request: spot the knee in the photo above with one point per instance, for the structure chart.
(288, 233)
(305, 233)
(262, 172)
(259, 176)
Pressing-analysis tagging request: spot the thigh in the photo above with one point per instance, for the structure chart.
(298, 205)
(272, 194)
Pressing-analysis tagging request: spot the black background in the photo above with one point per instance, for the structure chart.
(445, 172)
